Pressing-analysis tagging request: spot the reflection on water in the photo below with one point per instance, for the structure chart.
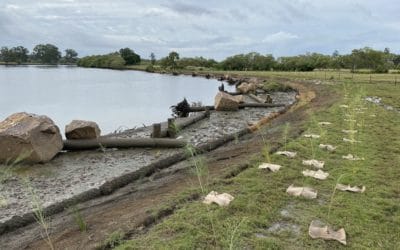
(112, 98)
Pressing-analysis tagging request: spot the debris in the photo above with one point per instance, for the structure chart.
(350, 131)
(314, 163)
(350, 140)
(352, 157)
(306, 192)
(328, 147)
(320, 175)
(182, 109)
(220, 199)
(311, 136)
(324, 123)
(270, 166)
(344, 106)
(287, 153)
(349, 188)
(317, 230)
(374, 99)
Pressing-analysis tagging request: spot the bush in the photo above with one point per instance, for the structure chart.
(111, 61)
(150, 68)
(275, 87)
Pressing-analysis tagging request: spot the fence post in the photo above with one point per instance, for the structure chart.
(395, 80)
(156, 130)
(171, 128)
(370, 77)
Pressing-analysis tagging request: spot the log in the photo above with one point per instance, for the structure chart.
(123, 143)
(234, 93)
(261, 105)
(256, 98)
(241, 106)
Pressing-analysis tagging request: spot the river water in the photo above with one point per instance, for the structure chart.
(114, 99)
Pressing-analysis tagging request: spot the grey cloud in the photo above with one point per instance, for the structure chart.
(190, 9)
(210, 28)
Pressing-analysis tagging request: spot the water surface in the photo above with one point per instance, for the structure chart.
(114, 99)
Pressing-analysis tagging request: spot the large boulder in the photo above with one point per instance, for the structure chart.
(239, 98)
(29, 137)
(226, 102)
(79, 129)
(245, 87)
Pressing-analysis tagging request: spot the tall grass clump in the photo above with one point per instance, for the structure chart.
(39, 214)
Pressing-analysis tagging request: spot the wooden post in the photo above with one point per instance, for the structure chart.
(207, 112)
(370, 77)
(156, 130)
(171, 128)
(325, 74)
(395, 80)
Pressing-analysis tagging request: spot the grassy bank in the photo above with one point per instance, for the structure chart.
(393, 77)
(263, 216)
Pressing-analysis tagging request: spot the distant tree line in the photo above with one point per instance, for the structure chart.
(41, 54)
(116, 60)
(364, 58)
(359, 59)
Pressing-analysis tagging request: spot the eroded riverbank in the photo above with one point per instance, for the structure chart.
(78, 176)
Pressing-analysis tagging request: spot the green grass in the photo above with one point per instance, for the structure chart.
(371, 219)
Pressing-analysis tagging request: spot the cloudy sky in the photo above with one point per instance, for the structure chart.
(209, 28)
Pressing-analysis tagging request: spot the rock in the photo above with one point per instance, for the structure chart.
(270, 166)
(245, 87)
(239, 98)
(79, 129)
(222, 200)
(226, 102)
(29, 137)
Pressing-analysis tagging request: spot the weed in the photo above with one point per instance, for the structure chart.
(113, 240)
(285, 134)
(39, 213)
(78, 218)
(265, 151)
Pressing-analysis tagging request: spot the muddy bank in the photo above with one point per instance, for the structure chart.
(78, 176)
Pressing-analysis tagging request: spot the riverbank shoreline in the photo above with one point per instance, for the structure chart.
(51, 188)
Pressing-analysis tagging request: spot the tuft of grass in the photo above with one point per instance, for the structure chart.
(270, 87)
(113, 240)
(78, 218)
(38, 212)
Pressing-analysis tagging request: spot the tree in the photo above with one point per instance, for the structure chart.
(5, 54)
(17, 54)
(46, 53)
(171, 60)
(129, 56)
(71, 56)
(152, 58)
